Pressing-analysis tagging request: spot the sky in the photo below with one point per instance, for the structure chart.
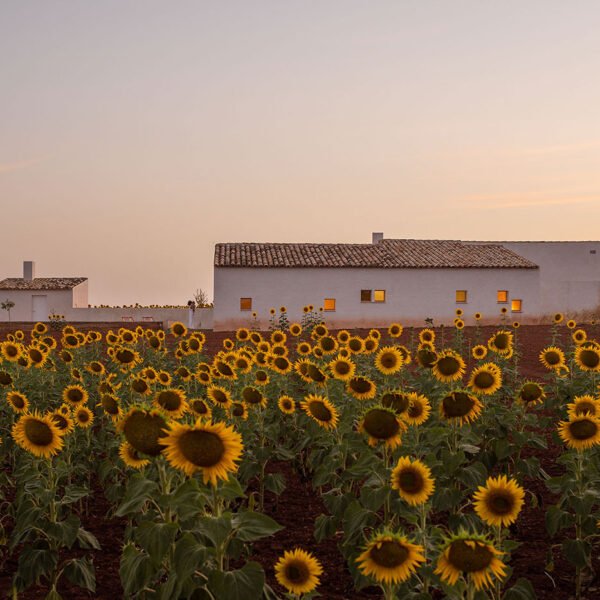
(134, 135)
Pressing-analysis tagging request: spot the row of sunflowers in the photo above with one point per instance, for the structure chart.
(421, 444)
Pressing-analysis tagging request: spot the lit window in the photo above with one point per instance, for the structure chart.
(461, 295)
(365, 295)
(516, 305)
(245, 303)
(379, 296)
(502, 295)
(329, 304)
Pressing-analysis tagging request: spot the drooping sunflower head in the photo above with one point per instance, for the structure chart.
(140, 386)
(382, 425)
(144, 430)
(286, 405)
(587, 358)
(584, 405)
(38, 435)
(499, 502)
(460, 407)
(395, 330)
(320, 410)
(75, 395)
(298, 571)
(413, 481)
(361, 388)
(486, 379)
(449, 366)
(17, 401)
(111, 405)
(6, 378)
(552, 357)
(471, 555)
(426, 355)
(388, 360)
(531, 393)
(396, 400)
(210, 448)
(172, 401)
(390, 558)
(315, 375)
(580, 433)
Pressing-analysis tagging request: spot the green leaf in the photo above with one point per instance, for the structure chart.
(139, 491)
(35, 562)
(188, 556)
(216, 529)
(243, 584)
(155, 539)
(87, 539)
(522, 590)
(577, 552)
(64, 531)
(325, 527)
(231, 489)
(135, 570)
(252, 526)
(374, 498)
(275, 482)
(356, 518)
(73, 493)
(53, 595)
(188, 500)
(556, 519)
(80, 571)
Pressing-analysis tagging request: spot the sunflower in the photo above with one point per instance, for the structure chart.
(203, 378)
(382, 425)
(460, 407)
(584, 405)
(279, 350)
(558, 318)
(96, 368)
(17, 401)
(343, 336)
(587, 358)
(327, 344)
(479, 352)
(140, 386)
(477, 316)
(75, 395)
(370, 345)
(63, 421)
(486, 379)
(38, 435)
(144, 430)
(211, 448)
(459, 324)
(10, 351)
(473, 556)
(304, 349)
(286, 405)
(388, 360)
(315, 375)
(261, 377)
(419, 409)
(36, 356)
(395, 330)
(579, 336)
(126, 357)
(361, 388)
(390, 558)
(254, 397)
(449, 366)
(396, 400)
(131, 457)
(426, 355)
(571, 324)
(342, 368)
(219, 396)
(281, 365)
(238, 410)
(320, 410)
(83, 416)
(319, 331)
(66, 356)
(110, 405)
(413, 480)
(499, 502)
(183, 373)
(295, 329)
(356, 345)
(5, 378)
(531, 393)
(178, 329)
(552, 357)
(580, 432)
(200, 408)
(501, 342)
(172, 401)
(298, 571)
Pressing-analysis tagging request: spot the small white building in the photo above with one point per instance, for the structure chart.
(371, 285)
(36, 298)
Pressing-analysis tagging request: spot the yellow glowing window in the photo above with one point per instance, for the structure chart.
(365, 295)
(461, 295)
(329, 304)
(379, 296)
(245, 303)
(516, 305)
(502, 295)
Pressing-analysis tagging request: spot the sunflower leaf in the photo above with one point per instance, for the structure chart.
(80, 571)
(243, 584)
(252, 526)
(139, 491)
(522, 590)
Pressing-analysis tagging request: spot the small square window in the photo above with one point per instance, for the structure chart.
(516, 305)
(502, 296)
(461, 296)
(379, 296)
(365, 295)
(329, 304)
(245, 303)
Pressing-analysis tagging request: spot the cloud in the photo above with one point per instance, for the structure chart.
(527, 199)
(9, 167)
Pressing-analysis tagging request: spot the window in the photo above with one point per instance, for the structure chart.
(245, 303)
(329, 304)
(516, 305)
(379, 296)
(502, 296)
(365, 295)
(461, 296)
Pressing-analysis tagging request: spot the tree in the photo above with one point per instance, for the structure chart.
(201, 298)
(7, 305)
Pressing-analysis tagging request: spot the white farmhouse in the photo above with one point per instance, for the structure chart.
(371, 285)
(35, 298)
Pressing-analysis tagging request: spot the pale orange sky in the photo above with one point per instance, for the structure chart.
(136, 135)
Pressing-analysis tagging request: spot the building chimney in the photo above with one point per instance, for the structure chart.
(28, 270)
(377, 237)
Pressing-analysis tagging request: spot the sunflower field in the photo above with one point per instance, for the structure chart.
(420, 463)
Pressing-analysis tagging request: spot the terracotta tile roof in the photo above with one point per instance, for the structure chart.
(41, 283)
(387, 254)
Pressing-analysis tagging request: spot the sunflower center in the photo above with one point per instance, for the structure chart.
(60, 422)
(238, 410)
(203, 448)
(469, 556)
(389, 554)
(584, 407)
(83, 416)
(360, 385)
(553, 358)
(143, 430)
(499, 503)
(75, 395)
(281, 363)
(484, 380)
(297, 572)
(501, 341)
(199, 407)
(584, 429)
(169, 400)
(448, 365)
(17, 401)
(35, 355)
(328, 344)
(319, 411)
(11, 350)
(252, 395)
(110, 405)
(590, 358)
(342, 367)
(457, 404)
(38, 432)
(388, 360)
(397, 402)
(125, 356)
(531, 392)
(381, 424)
(315, 373)
(415, 410)
(410, 480)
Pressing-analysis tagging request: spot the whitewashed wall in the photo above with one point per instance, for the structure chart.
(57, 301)
(411, 294)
